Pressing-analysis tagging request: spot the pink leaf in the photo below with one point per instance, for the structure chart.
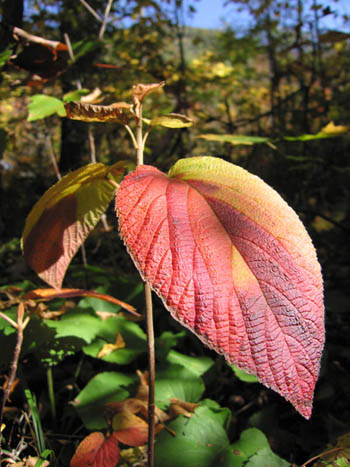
(233, 263)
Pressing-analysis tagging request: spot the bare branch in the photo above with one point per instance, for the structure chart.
(92, 11)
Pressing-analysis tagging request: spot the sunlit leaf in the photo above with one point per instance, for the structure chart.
(42, 106)
(171, 121)
(233, 263)
(64, 216)
(235, 139)
(95, 450)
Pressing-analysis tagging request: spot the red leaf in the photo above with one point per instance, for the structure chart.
(233, 263)
(96, 451)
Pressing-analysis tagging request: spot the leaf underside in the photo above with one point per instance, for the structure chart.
(61, 220)
(233, 263)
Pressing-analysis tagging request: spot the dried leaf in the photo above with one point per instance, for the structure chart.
(140, 91)
(97, 113)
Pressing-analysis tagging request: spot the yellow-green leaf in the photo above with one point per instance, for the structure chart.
(171, 120)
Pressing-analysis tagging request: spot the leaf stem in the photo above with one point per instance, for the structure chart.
(149, 309)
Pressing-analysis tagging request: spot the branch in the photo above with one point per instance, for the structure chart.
(92, 11)
(103, 27)
(37, 39)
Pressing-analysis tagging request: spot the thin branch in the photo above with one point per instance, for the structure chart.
(92, 145)
(8, 319)
(146, 136)
(20, 327)
(321, 455)
(52, 154)
(71, 55)
(105, 18)
(31, 38)
(92, 11)
(129, 130)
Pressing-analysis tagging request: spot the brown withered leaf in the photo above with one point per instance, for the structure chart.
(97, 113)
(109, 348)
(140, 91)
(178, 407)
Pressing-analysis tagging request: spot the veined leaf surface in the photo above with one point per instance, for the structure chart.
(233, 263)
(64, 216)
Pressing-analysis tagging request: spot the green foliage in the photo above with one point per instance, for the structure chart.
(104, 387)
(42, 106)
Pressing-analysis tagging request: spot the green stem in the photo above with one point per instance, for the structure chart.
(51, 392)
(149, 313)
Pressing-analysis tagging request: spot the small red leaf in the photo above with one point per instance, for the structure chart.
(130, 429)
(96, 451)
(233, 263)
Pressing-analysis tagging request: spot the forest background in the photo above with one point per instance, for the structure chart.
(272, 97)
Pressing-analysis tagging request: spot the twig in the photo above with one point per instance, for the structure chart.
(321, 455)
(92, 11)
(52, 154)
(105, 18)
(20, 325)
(71, 55)
(129, 130)
(92, 145)
(37, 39)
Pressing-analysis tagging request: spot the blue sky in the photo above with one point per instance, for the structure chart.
(212, 14)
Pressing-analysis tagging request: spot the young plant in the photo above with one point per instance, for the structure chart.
(229, 258)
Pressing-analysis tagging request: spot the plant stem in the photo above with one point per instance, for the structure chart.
(151, 373)
(20, 327)
(149, 312)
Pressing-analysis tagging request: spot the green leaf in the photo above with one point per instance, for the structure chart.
(177, 382)
(75, 95)
(198, 442)
(235, 139)
(5, 55)
(42, 106)
(198, 365)
(83, 324)
(64, 216)
(131, 333)
(266, 457)
(103, 388)
(171, 120)
(166, 341)
(243, 376)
